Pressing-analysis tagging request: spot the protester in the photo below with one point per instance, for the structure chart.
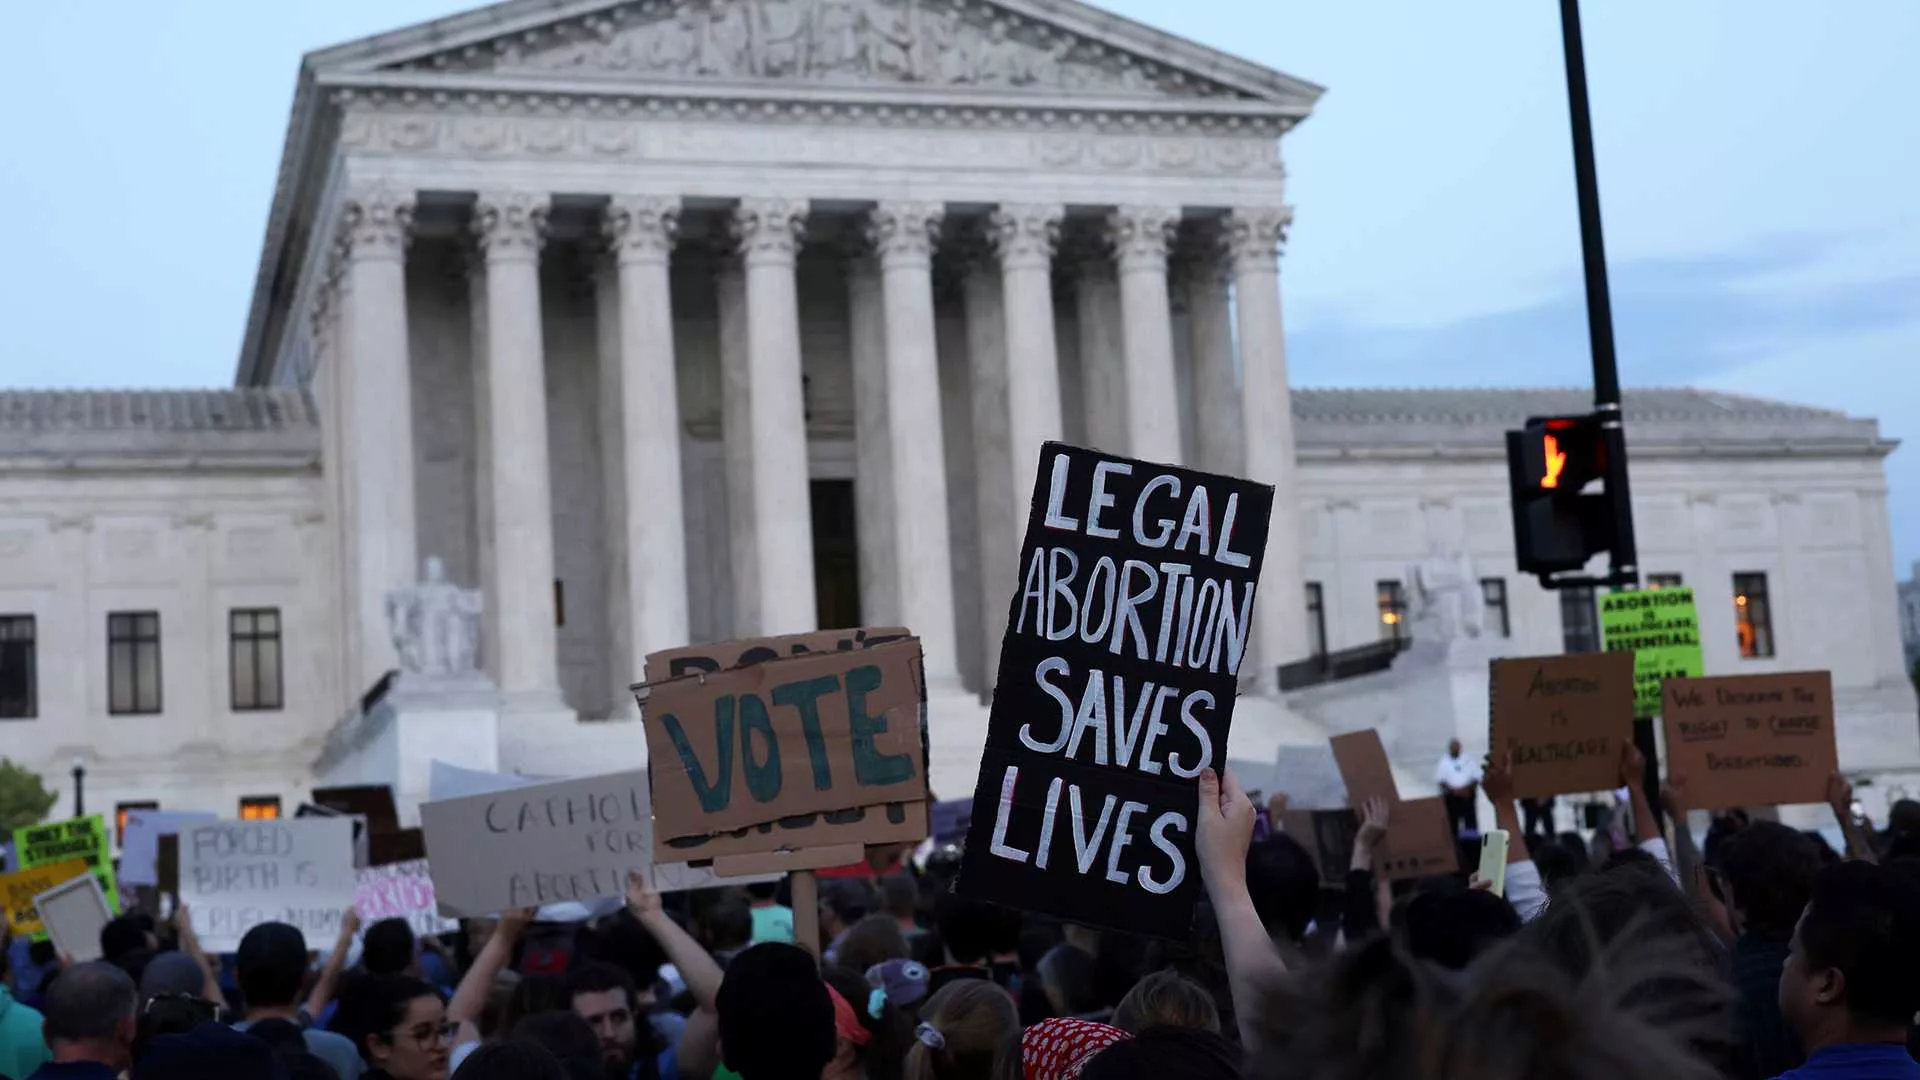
(515, 1059)
(872, 941)
(776, 1018)
(271, 966)
(1851, 985)
(772, 920)
(1059, 1049)
(206, 1052)
(1167, 999)
(90, 1024)
(983, 941)
(569, 1039)
(1457, 778)
(905, 982)
(603, 996)
(22, 1046)
(1451, 926)
(1766, 874)
(962, 1030)
(1164, 1052)
(400, 1027)
(1067, 976)
(869, 1040)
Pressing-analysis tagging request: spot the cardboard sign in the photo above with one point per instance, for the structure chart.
(140, 843)
(1419, 842)
(371, 801)
(1328, 836)
(18, 889)
(1752, 740)
(719, 656)
(810, 734)
(1364, 767)
(1564, 719)
(401, 890)
(76, 838)
(235, 875)
(1661, 628)
(74, 912)
(1116, 686)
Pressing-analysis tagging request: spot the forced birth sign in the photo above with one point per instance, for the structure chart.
(235, 875)
(1116, 687)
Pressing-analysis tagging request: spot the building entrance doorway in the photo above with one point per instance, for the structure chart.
(836, 555)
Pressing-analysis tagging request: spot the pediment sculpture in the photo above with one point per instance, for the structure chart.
(929, 42)
(435, 625)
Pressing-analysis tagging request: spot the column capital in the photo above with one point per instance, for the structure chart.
(375, 222)
(510, 225)
(769, 230)
(1026, 235)
(1254, 237)
(905, 232)
(1142, 235)
(642, 228)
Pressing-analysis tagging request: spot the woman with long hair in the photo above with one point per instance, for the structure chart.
(963, 1029)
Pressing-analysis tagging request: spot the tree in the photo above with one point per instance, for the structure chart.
(24, 799)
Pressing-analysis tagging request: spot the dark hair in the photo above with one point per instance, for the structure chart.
(1159, 1053)
(288, 1041)
(122, 935)
(373, 1005)
(568, 1038)
(209, 1050)
(1558, 862)
(1452, 926)
(1068, 972)
(515, 1059)
(1167, 999)
(873, 940)
(271, 965)
(849, 898)
(887, 1034)
(388, 948)
(764, 890)
(901, 895)
(974, 930)
(1864, 921)
(1770, 869)
(776, 1018)
(728, 920)
(600, 978)
(1284, 885)
(532, 996)
(89, 1001)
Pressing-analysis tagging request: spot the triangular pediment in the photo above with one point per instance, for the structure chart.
(1047, 48)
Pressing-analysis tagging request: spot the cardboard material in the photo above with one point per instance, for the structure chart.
(1752, 740)
(140, 843)
(1116, 685)
(1328, 836)
(1310, 778)
(402, 890)
(18, 889)
(719, 656)
(1364, 768)
(1564, 719)
(887, 823)
(85, 838)
(74, 912)
(810, 734)
(371, 801)
(235, 875)
(1419, 843)
(1661, 628)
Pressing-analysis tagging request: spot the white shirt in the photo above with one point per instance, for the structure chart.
(1457, 772)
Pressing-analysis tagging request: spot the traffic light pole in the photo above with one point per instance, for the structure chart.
(1606, 371)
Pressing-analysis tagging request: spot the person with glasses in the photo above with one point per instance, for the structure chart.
(400, 1027)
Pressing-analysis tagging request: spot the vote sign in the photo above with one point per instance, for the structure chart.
(1116, 687)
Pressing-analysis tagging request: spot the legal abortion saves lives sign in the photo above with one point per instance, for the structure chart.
(1116, 687)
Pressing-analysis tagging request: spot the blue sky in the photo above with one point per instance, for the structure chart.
(1756, 157)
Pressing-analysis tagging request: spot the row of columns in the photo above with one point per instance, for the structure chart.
(901, 468)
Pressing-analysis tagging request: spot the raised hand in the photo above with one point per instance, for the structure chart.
(1224, 829)
(1497, 780)
(1673, 795)
(1373, 822)
(1840, 796)
(1633, 765)
(642, 900)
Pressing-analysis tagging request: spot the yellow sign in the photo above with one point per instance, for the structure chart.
(18, 889)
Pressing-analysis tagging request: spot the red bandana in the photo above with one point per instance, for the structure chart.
(845, 1021)
(1057, 1049)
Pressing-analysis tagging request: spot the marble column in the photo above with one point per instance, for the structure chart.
(736, 433)
(769, 232)
(1253, 238)
(1101, 354)
(377, 404)
(872, 475)
(903, 235)
(1141, 236)
(651, 535)
(511, 228)
(1025, 238)
(998, 509)
(327, 385)
(1206, 279)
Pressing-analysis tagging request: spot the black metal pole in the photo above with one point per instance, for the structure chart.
(79, 790)
(1606, 371)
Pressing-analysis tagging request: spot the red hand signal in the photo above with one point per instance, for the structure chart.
(1556, 463)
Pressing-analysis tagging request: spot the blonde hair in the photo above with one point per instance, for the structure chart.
(1166, 999)
(970, 1021)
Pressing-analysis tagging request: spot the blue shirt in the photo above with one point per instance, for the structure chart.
(73, 1070)
(1857, 1061)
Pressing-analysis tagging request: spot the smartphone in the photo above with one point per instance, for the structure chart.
(1493, 861)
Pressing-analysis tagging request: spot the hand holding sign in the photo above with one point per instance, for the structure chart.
(1223, 832)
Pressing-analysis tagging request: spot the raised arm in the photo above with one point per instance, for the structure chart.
(323, 987)
(1840, 797)
(190, 944)
(1222, 836)
(470, 997)
(1362, 915)
(697, 967)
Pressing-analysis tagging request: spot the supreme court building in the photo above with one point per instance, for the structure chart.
(660, 322)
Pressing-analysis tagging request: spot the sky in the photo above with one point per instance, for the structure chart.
(1756, 165)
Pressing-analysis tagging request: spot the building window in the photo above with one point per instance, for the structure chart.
(1664, 581)
(1752, 616)
(253, 658)
(1493, 593)
(1579, 621)
(1316, 620)
(19, 698)
(133, 662)
(121, 811)
(260, 808)
(1392, 600)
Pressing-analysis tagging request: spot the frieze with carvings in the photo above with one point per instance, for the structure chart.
(938, 43)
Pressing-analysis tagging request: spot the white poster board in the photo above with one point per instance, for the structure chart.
(140, 842)
(235, 875)
(402, 890)
(74, 913)
(1310, 778)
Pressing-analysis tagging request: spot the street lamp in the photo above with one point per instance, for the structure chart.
(79, 787)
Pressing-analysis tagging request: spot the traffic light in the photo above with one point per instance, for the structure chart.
(1557, 525)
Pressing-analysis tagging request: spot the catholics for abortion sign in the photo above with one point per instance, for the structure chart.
(1116, 688)
(235, 875)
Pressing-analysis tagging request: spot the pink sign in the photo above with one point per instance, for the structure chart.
(400, 891)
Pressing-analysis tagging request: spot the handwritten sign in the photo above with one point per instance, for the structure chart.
(235, 875)
(84, 838)
(1661, 628)
(1116, 687)
(1420, 841)
(140, 843)
(1564, 719)
(817, 733)
(744, 652)
(402, 890)
(18, 889)
(1752, 740)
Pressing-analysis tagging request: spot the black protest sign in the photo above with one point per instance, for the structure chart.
(1116, 687)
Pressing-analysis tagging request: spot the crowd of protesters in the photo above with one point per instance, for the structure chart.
(1760, 953)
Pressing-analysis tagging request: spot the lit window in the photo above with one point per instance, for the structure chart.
(1493, 593)
(260, 808)
(1664, 581)
(1392, 599)
(1316, 621)
(121, 811)
(1752, 616)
